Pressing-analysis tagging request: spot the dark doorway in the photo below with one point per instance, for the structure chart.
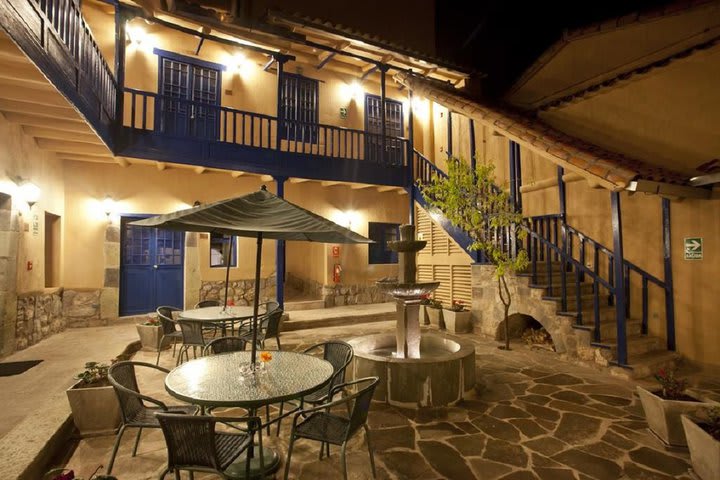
(393, 128)
(52, 250)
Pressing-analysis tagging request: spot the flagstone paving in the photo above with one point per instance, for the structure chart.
(532, 416)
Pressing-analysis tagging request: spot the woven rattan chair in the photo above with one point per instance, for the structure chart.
(210, 327)
(268, 327)
(133, 410)
(224, 345)
(195, 444)
(169, 328)
(339, 354)
(192, 336)
(322, 425)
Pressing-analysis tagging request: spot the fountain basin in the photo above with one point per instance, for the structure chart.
(442, 376)
(406, 290)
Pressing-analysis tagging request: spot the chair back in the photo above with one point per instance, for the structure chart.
(339, 354)
(192, 332)
(123, 374)
(225, 344)
(208, 303)
(166, 319)
(270, 306)
(270, 323)
(361, 406)
(190, 440)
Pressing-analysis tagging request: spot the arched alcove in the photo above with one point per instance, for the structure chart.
(522, 326)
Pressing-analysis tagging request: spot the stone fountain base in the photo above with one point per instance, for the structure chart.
(443, 375)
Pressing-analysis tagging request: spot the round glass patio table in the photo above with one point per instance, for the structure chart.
(219, 315)
(217, 381)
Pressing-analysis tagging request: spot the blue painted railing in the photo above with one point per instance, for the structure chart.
(55, 36)
(163, 115)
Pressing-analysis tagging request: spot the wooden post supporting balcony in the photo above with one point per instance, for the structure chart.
(280, 111)
(411, 159)
(667, 258)
(619, 286)
(120, 24)
(383, 141)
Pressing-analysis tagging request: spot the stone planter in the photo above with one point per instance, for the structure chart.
(663, 416)
(95, 409)
(435, 316)
(457, 322)
(424, 317)
(149, 336)
(704, 449)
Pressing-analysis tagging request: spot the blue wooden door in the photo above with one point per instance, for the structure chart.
(151, 268)
(393, 128)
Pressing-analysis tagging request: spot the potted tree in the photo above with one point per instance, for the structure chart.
(471, 201)
(434, 313)
(150, 333)
(95, 408)
(664, 406)
(457, 318)
(703, 438)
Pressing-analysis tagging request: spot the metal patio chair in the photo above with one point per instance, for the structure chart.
(195, 444)
(133, 410)
(169, 328)
(210, 326)
(192, 336)
(268, 327)
(225, 344)
(321, 424)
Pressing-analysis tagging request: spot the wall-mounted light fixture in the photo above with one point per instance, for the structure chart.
(108, 207)
(27, 192)
(135, 34)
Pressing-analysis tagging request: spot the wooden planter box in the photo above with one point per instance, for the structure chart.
(704, 449)
(663, 416)
(149, 336)
(458, 322)
(435, 316)
(95, 409)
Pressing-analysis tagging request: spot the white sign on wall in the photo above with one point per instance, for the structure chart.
(35, 225)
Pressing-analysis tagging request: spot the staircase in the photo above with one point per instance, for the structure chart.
(578, 275)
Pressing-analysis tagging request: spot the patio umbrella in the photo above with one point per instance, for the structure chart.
(261, 215)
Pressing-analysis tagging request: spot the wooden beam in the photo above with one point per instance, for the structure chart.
(161, 166)
(329, 183)
(32, 87)
(299, 180)
(360, 186)
(385, 188)
(28, 95)
(72, 147)
(199, 170)
(668, 189)
(539, 185)
(266, 178)
(236, 174)
(69, 125)
(60, 113)
(26, 73)
(123, 162)
(85, 158)
(402, 191)
(42, 132)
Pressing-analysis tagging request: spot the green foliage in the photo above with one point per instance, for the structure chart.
(457, 306)
(94, 373)
(432, 303)
(471, 202)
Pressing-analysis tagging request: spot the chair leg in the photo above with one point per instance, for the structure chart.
(290, 449)
(162, 475)
(372, 460)
(159, 347)
(267, 417)
(137, 441)
(174, 346)
(342, 460)
(177, 474)
(192, 475)
(115, 449)
(282, 405)
(277, 339)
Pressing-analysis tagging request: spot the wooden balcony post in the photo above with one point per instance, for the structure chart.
(120, 24)
(619, 286)
(667, 258)
(280, 59)
(383, 141)
(411, 159)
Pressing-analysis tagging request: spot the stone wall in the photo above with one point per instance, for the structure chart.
(241, 292)
(307, 288)
(488, 313)
(339, 295)
(39, 315)
(81, 307)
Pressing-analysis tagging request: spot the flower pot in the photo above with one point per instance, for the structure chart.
(95, 409)
(663, 416)
(458, 322)
(435, 315)
(704, 449)
(149, 336)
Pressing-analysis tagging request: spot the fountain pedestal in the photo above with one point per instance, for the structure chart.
(414, 370)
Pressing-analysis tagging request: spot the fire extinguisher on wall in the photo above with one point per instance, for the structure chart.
(336, 272)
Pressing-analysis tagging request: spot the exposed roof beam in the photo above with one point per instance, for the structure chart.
(299, 180)
(266, 178)
(85, 158)
(72, 147)
(42, 132)
(26, 73)
(161, 166)
(61, 113)
(69, 125)
(328, 183)
(708, 179)
(28, 95)
(668, 189)
(402, 191)
(123, 162)
(360, 186)
(269, 64)
(199, 170)
(236, 174)
(385, 188)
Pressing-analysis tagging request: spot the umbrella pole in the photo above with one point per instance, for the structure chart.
(258, 260)
(228, 261)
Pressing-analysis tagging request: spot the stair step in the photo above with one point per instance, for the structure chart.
(295, 305)
(586, 299)
(339, 316)
(607, 314)
(637, 345)
(648, 363)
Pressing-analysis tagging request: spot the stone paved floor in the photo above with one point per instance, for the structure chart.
(533, 416)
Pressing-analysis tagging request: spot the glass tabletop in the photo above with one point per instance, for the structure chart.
(217, 380)
(219, 313)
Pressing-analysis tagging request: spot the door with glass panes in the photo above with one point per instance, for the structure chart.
(184, 89)
(151, 268)
(393, 128)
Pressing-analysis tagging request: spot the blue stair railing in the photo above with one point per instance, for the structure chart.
(551, 242)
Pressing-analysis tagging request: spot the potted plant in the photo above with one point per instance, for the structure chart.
(457, 318)
(664, 406)
(434, 313)
(471, 201)
(95, 408)
(703, 438)
(150, 332)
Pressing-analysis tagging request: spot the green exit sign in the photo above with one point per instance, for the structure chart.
(693, 248)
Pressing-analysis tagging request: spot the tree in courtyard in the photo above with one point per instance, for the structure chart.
(471, 201)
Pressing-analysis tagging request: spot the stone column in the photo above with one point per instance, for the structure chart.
(110, 294)
(9, 228)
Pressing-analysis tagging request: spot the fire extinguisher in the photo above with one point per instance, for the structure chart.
(336, 272)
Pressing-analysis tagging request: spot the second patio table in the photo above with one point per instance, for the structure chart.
(219, 315)
(216, 381)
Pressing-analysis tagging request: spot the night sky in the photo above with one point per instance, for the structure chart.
(501, 38)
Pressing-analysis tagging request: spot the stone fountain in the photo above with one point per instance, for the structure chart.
(415, 370)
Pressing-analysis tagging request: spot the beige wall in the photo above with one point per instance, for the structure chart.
(20, 157)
